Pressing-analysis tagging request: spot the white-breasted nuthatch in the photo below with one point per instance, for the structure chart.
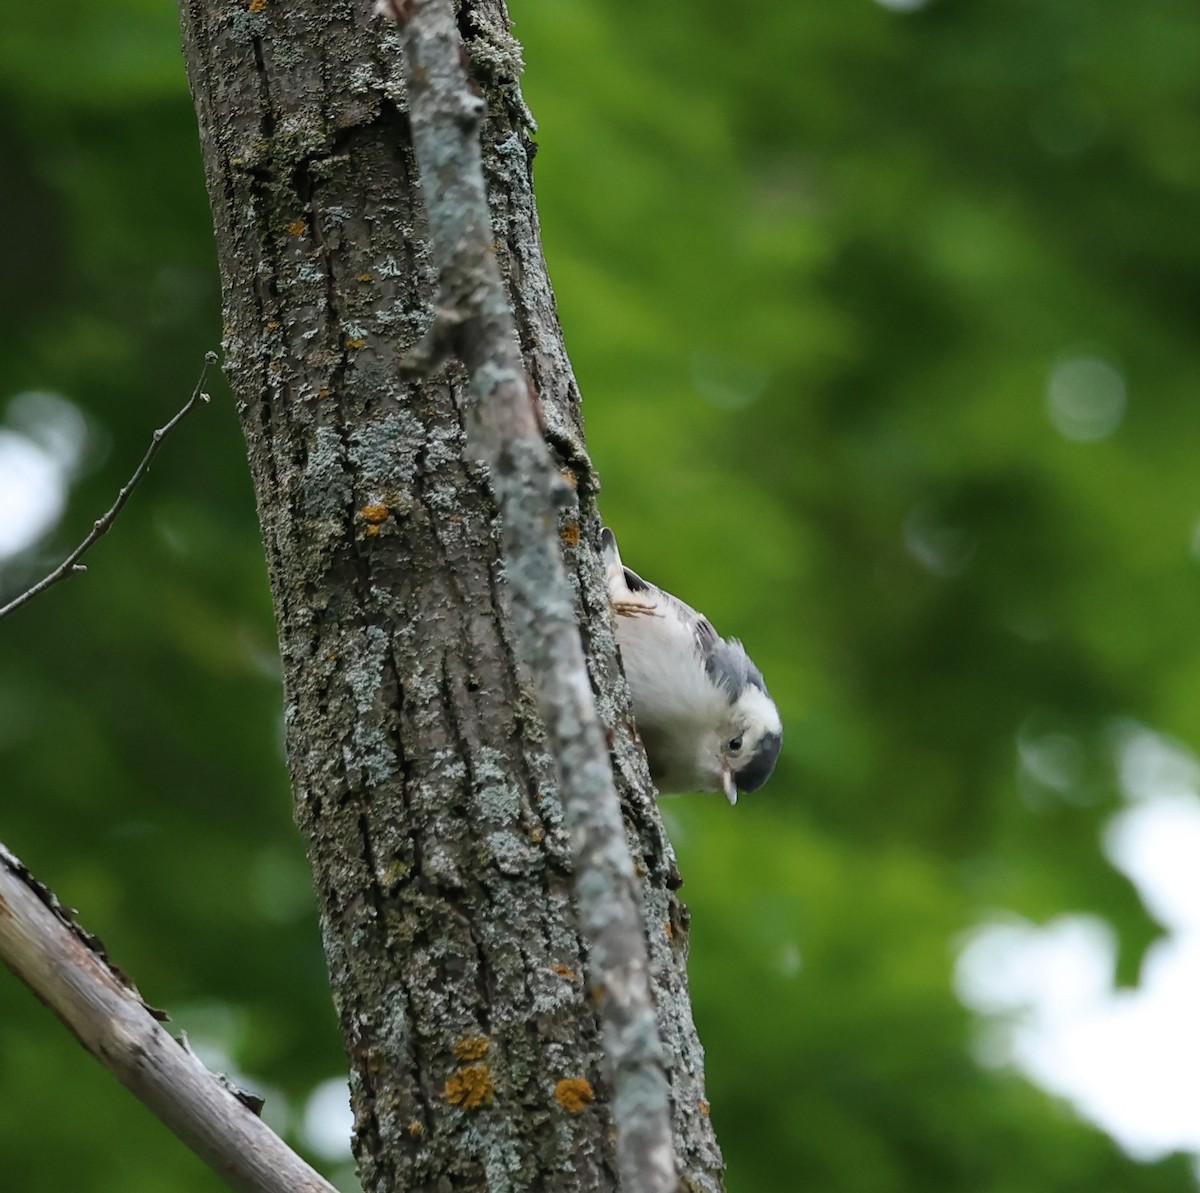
(702, 709)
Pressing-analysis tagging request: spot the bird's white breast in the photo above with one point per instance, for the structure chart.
(673, 704)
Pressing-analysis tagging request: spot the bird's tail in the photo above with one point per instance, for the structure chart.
(628, 592)
(614, 572)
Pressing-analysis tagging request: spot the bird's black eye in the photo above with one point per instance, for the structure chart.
(735, 744)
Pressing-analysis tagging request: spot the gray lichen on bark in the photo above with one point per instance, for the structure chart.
(422, 782)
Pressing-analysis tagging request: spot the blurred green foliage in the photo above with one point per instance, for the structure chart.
(821, 268)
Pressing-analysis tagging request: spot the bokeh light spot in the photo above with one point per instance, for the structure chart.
(727, 384)
(40, 451)
(328, 1120)
(1128, 1059)
(937, 545)
(32, 494)
(1085, 398)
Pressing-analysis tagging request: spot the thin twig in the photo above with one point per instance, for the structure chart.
(68, 970)
(446, 116)
(71, 565)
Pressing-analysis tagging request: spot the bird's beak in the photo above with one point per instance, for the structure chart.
(728, 785)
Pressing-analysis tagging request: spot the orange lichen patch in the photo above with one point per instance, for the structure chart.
(704, 1107)
(257, 5)
(395, 872)
(324, 393)
(570, 534)
(296, 227)
(574, 1093)
(415, 1129)
(374, 513)
(372, 531)
(470, 1087)
(538, 835)
(565, 971)
(471, 1048)
(366, 277)
(569, 476)
(356, 343)
(669, 930)
(273, 325)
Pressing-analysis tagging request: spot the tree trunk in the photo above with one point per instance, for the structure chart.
(421, 780)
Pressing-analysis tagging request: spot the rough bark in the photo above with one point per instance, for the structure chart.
(445, 114)
(421, 776)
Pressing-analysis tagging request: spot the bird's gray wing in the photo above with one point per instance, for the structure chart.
(707, 638)
(727, 664)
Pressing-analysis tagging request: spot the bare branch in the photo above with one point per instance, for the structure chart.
(67, 969)
(71, 565)
(446, 115)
